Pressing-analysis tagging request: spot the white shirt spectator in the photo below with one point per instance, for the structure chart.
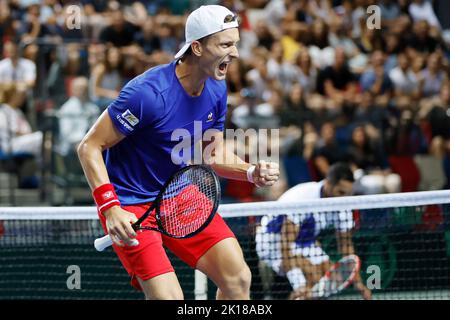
(24, 71)
(424, 11)
(406, 82)
(15, 133)
(75, 119)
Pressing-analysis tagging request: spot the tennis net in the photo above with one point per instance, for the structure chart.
(402, 240)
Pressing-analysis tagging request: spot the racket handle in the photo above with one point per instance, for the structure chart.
(102, 243)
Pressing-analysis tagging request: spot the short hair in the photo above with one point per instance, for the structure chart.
(339, 171)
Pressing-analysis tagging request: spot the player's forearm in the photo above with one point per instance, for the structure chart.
(228, 165)
(235, 171)
(345, 244)
(93, 164)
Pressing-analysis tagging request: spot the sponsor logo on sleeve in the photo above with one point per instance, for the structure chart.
(131, 118)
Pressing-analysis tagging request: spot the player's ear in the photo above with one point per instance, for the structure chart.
(197, 48)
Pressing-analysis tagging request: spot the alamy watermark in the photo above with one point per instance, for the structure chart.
(73, 18)
(74, 280)
(250, 144)
(374, 19)
(374, 280)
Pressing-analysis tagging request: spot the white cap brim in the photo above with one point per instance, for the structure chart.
(182, 50)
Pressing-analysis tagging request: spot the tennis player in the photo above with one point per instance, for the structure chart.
(127, 157)
(288, 244)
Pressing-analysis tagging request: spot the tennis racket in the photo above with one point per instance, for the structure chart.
(338, 278)
(184, 206)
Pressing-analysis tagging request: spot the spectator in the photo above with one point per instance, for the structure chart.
(370, 41)
(76, 116)
(420, 40)
(264, 35)
(327, 150)
(236, 82)
(106, 79)
(403, 78)
(147, 39)
(119, 33)
(423, 10)
(337, 82)
(302, 72)
(436, 111)
(431, 166)
(17, 70)
(432, 77)
(375, 79)
(16, 135)
(166, 37)
(371, 169)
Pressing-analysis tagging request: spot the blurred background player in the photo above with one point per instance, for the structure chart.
(288, 244)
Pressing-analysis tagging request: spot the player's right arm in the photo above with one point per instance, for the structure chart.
(289, 233)
(100, 137)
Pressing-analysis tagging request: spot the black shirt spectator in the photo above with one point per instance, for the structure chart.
(420, 40)
(147, 39)
(120, 33)
(339, 77)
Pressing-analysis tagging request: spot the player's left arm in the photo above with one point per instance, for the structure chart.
(228, 165)
(345, 247)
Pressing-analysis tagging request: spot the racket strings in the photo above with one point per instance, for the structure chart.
(188, 202)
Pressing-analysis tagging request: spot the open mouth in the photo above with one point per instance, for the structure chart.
(223, 66)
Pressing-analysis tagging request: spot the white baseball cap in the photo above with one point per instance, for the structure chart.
(205, 21)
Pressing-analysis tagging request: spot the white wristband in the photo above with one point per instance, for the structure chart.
(250, 174)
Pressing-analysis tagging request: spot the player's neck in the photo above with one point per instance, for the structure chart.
(191, 77)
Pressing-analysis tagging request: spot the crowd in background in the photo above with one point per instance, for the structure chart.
(338, 88)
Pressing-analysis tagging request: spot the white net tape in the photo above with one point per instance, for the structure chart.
(393, 200)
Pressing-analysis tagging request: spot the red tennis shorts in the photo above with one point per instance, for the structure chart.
(149, 259)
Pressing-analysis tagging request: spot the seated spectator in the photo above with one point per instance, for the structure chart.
(390, 12)
(119, 32)
(371, 171)
(295, 111)
(303, 72)
(321, 52)
(236, 82)
(420, 40)
(403, 79)
(15, 69)
(106, 79)
(431, 166)
(76, 116)
(436, 111)
(165, 33)
(327, 150)
(258, 77)
(375, 79)
(16, 135)
(370, 41)
(433, 76)
(394, 46)
(337, 82)
(423, 10)
(264, 35)
(147, 39)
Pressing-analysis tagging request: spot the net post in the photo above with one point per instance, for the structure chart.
(201, 286)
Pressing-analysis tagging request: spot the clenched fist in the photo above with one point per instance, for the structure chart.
(266, 173)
